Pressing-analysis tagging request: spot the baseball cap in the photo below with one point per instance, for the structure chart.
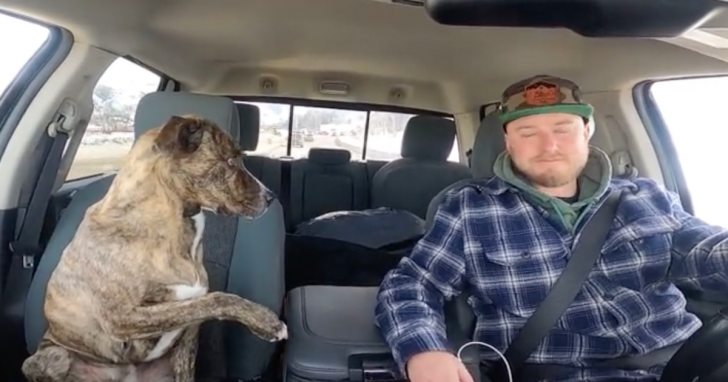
(543, 94)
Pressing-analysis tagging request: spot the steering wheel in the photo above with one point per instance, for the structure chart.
(703, 356)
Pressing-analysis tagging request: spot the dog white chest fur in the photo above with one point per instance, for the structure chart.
(183, 292)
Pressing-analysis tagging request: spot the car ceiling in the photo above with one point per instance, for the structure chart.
(230, 46)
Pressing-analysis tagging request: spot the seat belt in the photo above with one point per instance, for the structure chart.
(285, 195)
(26, 247)
(567, 287)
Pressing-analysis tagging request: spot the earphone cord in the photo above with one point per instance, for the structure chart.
(508, 366)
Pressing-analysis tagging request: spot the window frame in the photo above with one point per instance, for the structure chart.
(19, 86)
(292, 102)
(164, 78)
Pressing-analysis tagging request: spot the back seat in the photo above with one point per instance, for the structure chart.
(373, 166)
(267, 170)
(327, 181)
(411, 182)
(242, 256)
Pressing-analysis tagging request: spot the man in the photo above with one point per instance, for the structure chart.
(508, 238)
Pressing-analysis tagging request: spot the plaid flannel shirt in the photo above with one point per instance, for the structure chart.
(509, 253)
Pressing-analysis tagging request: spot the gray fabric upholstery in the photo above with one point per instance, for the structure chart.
(326, 182)
(249, 116)
(330, 327)
(327, 325)
(428, 138)
(329, 157)
(373, 166)
(267, 170)
(256, 273)
(242, 256)
(489, 143)
(411, 182)
(154, 110)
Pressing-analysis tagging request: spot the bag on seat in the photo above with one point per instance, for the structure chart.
(384, 227)
(331, 250)
(332, 337)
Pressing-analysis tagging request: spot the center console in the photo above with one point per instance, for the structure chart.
(332, 337)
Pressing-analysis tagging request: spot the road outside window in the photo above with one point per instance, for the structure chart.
(110, 132)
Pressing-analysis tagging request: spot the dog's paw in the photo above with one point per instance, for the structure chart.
(50, 364)
(282, 333)
(272, 331)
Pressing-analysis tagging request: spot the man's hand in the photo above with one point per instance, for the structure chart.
(437, 366)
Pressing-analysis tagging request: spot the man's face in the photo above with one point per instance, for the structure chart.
(551, 150)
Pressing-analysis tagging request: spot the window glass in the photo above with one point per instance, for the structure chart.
(315, 127)
(110, 132)
(385, 136)
(21, 40)
(273, 137)
(695, 114)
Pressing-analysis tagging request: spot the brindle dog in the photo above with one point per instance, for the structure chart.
(126, 300)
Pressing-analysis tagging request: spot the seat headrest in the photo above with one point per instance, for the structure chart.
(489, 143)
(329, 157)
(249, 116)
(156, 108)
(428, 138)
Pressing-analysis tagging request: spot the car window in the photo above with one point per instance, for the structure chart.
(110, 132)
(22, 39)
(273, 137)
(317, 127)
(695, 114)
(385, 136)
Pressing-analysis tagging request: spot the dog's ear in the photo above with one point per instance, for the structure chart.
(180, 136)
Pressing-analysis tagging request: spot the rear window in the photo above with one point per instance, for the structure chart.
(321, 127)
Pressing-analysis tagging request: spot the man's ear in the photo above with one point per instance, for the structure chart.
(180, 136)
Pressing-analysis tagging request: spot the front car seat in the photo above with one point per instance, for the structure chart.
(244, 257)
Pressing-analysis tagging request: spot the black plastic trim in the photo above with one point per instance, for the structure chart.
(290, 129)
(340, 105)
(590, 18)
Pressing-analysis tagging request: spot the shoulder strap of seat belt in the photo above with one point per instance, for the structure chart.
(26, 247)
(567, 287)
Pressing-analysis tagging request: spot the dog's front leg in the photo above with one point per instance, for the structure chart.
(140, 322)
(184, 355)
(50, 363)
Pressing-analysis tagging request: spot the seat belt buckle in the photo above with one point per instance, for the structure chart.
(26, 252)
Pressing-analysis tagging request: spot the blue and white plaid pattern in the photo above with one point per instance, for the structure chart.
(509, 254)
